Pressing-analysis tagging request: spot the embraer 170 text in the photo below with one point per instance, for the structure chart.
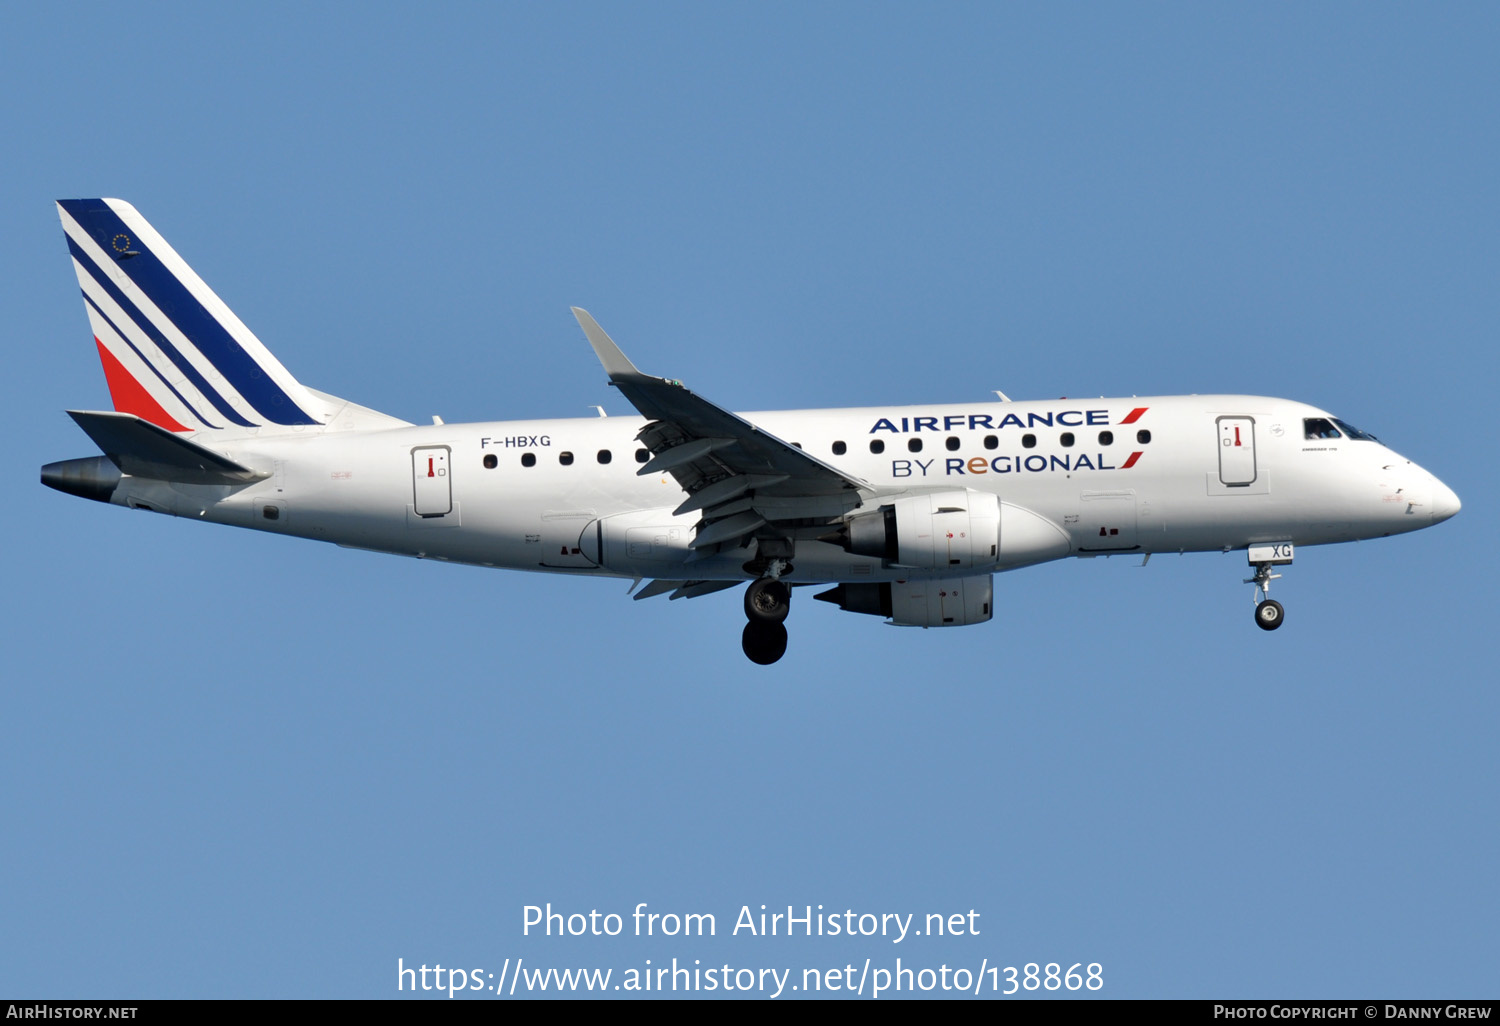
(907, 512)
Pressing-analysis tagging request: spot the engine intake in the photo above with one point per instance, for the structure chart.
(957, 530)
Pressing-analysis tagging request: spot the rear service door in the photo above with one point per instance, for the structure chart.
(431, 486)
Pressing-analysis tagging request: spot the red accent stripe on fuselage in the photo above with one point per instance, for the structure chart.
(1134, 415)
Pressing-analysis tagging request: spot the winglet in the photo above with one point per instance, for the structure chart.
(616, 363)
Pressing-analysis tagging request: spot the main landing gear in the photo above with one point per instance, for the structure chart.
(768, 600)
(1269, 614)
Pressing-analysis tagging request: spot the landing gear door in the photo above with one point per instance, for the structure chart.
(1236, 451)
(432, 488)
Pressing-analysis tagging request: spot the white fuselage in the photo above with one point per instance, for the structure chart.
(1185, 473)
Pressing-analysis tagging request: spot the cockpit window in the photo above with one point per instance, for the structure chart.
(1355, 433)
(1319, 427)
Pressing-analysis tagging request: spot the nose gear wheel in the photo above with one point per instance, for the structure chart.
(1269, 613)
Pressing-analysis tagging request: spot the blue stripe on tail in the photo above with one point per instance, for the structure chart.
(172, 297)
(143, 322)
(154, 369)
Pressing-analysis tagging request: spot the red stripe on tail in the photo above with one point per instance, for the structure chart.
(129, 396)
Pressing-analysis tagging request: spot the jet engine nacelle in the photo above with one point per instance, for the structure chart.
(945, 602)
(961, 529)
(958, 530)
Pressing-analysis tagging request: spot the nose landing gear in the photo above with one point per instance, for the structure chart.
(767, 602)
(1269, 613)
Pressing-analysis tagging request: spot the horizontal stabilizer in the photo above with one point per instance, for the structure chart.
(142, 449)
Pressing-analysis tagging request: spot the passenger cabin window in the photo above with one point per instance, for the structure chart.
(642, 455)
(1066, 439)
(1352, 432)
(952, 443)
(1143, 437)
(491, 461)
(1028, 441)
(839, 448)
(1319, 428)
(876, 445)
(991, 442)
(605, 455)
(565, 458)
(1106, 438)
(528, 459)
(914, 444)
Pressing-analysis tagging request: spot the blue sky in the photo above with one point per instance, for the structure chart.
(242, 765)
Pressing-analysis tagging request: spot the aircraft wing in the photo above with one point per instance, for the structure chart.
(741, 476)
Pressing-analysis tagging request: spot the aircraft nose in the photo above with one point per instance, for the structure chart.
(1444, 502)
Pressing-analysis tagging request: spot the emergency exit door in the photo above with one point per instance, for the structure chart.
(1236, 451)
(432, 488)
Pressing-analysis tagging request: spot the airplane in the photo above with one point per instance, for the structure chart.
(907, 512)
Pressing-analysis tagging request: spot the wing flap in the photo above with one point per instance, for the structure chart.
(657, 587)
(683, 589)
(726, 490)
(697, 589)
(683, 454)
(736, 526)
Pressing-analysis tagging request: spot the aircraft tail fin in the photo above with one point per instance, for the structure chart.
(174, 354)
